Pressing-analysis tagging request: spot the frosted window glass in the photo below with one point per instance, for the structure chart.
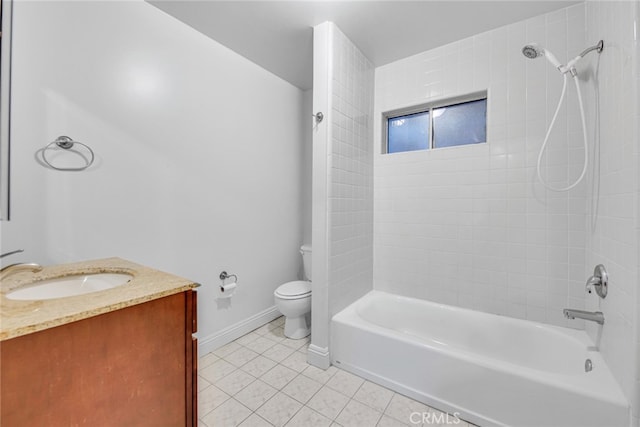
(460, 124)
(408, 133)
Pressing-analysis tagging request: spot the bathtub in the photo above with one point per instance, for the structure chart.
(491, 370)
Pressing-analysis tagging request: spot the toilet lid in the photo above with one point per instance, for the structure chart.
(294, 289)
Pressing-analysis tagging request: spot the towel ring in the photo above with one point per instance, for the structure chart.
(67, 143)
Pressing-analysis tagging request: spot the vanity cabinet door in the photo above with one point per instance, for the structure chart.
(130, 367)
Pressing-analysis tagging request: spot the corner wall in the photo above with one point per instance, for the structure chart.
(612, 228)
(343, 181)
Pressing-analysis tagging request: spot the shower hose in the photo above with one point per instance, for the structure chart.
(584, 135)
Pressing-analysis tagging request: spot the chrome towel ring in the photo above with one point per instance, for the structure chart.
(67, 143)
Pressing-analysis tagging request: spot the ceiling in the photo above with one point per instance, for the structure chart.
(278, 36)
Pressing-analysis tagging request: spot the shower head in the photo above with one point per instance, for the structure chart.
(533, 51)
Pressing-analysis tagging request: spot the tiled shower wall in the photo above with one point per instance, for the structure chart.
(350, 174)
(471, 226)
(612, 225)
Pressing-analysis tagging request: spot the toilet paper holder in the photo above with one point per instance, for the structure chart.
(224, 276)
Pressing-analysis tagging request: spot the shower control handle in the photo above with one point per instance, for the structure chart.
(599, 281)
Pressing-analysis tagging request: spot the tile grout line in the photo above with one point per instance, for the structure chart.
(279, 390)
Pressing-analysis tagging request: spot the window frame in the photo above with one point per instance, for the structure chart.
(429, 107)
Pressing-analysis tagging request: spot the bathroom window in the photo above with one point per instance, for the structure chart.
(447, 123)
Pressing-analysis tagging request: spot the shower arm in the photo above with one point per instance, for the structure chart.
(570, 67)
(597, 47)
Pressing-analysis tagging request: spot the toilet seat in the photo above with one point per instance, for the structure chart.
(293, 290)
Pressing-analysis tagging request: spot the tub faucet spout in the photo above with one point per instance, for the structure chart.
(592, 316)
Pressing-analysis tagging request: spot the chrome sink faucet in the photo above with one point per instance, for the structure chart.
(17, 268)
(17, 251)
(596, 316)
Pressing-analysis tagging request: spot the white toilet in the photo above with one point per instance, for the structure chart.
(293, 299)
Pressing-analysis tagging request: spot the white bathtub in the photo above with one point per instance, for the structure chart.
(492, 370)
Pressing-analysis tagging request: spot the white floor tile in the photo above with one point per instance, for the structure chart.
(279, 409)
(355, 414)
(276, 334)
(345, 383)
(295, 344)
(374, 396)
(209, 399)
(265, 328)
(277, 322)
(206, 360)
(226, 349)
(260, 344)
(402, 407)
(255, 421)
(258, 366)
(255, 394)
(296, 361)
(241, 356)
(217, 370)
(302, 388)
(278, 352)
(230, 414)
(307, 417)
(202, 383)
(279, 376)
(245, 339)
(234, 382)
(328, 402)
(268, 362)
(320, 375)
(387, 421)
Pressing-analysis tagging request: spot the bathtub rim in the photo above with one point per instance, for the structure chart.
(614, 393)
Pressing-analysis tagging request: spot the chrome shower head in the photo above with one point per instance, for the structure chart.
(532, 51)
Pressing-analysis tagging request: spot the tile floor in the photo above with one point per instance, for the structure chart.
(263, 379)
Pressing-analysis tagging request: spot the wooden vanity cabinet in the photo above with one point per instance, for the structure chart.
(136, 366)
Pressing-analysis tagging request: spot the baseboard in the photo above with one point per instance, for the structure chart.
(318, 356)
(225, 336)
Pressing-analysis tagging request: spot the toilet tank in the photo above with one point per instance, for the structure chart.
(305, 250)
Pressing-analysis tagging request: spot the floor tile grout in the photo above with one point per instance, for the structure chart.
(242, 413)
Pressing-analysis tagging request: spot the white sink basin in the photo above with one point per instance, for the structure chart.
(69, 286)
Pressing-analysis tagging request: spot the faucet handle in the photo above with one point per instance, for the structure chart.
(599, 281)
(17, 251)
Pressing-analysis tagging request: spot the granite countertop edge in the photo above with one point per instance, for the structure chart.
(18, 318)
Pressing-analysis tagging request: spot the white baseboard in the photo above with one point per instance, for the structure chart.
(318, 356)
(225, 336)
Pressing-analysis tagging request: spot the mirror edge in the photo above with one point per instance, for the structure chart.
(5, 110)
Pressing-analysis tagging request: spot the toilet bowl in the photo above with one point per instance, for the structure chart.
(293, 300)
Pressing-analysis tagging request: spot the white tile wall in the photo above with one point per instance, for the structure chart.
(350, 189)
(471, 226)
(612, 228)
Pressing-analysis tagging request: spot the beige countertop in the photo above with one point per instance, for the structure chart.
(24, 317)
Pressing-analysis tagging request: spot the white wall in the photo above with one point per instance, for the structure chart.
(307, 166)
(351, 174)
(199, 152)
(342, 181)
(612, 237)
(471, 226)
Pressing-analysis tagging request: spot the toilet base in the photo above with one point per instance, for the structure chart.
(297, 327)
